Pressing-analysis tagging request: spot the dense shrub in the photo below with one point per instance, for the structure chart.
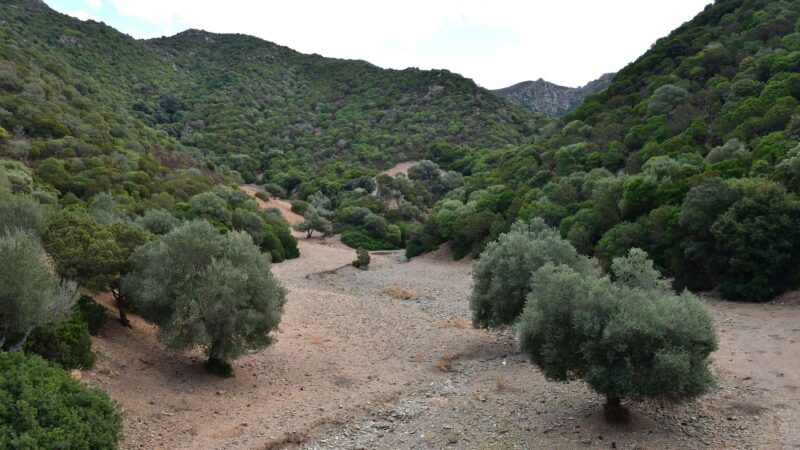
(92, 313)
(300, 206)
(360, 238)
(43, 407)
(67, 343)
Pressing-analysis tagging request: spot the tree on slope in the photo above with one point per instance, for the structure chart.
(94, 255)
(203, 288)
(30, 294)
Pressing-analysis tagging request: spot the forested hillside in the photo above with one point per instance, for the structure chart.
(157, 124)
(691, 153)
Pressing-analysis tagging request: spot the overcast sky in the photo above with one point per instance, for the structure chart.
(496, 43)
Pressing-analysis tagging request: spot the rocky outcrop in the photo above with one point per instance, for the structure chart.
(551, 99)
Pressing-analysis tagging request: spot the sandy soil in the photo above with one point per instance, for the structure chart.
(357, 366)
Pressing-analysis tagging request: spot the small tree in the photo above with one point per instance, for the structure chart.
(630, 338)
(94, 255)
(30, 295)
(204, 288)
(314, 221)
(502, 274)
(43, 407)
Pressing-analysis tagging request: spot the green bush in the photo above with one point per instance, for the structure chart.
(300, 207)
(362, 259)
(43, 407)
(67, 344)
(359, 238)
(93, 314)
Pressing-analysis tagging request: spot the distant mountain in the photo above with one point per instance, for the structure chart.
(552, 99)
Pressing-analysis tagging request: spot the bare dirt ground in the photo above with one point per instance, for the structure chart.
(402, 167)
(399, 168)
(385, 358)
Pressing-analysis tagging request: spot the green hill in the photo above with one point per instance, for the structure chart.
(232, 101)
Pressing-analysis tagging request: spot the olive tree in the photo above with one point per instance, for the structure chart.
(203, 288)
(314, 221)
(30, 294)
(23, 213)
(630, 338)
(501, 277)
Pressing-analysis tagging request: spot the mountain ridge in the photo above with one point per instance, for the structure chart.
(549, 98)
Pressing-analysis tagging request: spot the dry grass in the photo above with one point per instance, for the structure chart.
(398, 292)
(500, 385)
(457, 322)
(447, 361)
(318, 340)
(748, 407)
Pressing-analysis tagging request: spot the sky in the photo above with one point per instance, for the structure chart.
(496, 43)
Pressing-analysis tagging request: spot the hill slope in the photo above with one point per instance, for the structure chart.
(236, 101)
(549, 98)
(691, 153)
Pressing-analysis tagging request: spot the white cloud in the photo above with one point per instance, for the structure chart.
(565, 41)
(94, 4)
(84, 15)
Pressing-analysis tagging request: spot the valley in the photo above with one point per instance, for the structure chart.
(356, 367)
(214, 241)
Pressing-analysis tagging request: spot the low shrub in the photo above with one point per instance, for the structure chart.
(93, 314)
(362, 259)
(300, 207)
(43, 407)
(67, 344)
(358, 238)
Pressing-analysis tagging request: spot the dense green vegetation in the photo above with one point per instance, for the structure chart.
(43, 407)
(691, 154)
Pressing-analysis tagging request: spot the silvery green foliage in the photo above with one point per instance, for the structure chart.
(15, 177)
(501, 277)
(321, 204)
(630, 338)
(203, 288)
(157, 221)
(314, 221)
(21, 213)
(636, 271)
(103, 208)
(732, 149)
(30, 294)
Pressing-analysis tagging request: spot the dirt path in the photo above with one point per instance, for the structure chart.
(283, 206)
(357, 366)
